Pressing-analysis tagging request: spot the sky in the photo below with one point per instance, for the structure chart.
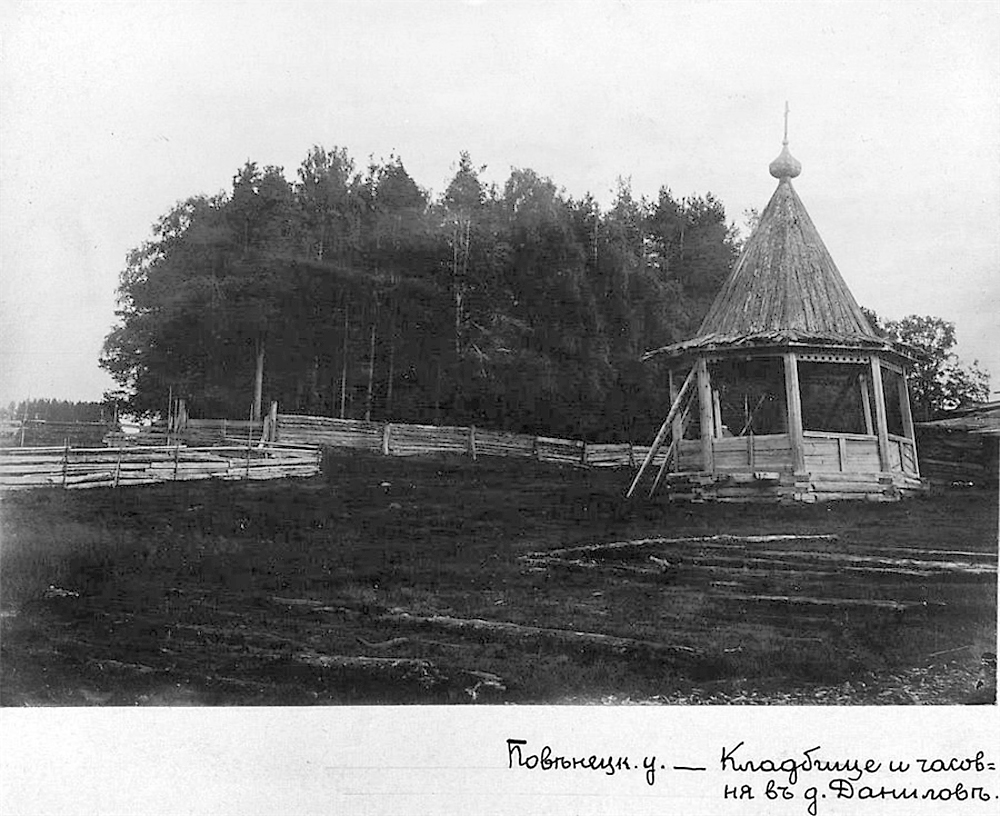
(111, 112)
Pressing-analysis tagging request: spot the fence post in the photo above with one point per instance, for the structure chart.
(249, 444)
(386, 438)
(274, 421)
(472, 442)
(177, 451)
(631, 455)
(65, 461)
(118, 466)
(583, 454)
(170, 412)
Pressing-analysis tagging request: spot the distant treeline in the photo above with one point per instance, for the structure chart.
(52, 410)
(359, 294)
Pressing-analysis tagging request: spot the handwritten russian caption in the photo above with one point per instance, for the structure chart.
(812, 778)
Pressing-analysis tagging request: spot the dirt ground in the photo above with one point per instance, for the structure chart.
(447, 581)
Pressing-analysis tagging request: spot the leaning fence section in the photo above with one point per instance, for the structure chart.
(137, 465)
(401, 439)
(340, 433)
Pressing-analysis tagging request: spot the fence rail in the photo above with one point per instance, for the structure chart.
(115, 467)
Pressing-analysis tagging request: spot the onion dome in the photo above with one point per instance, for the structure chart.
(786, 166)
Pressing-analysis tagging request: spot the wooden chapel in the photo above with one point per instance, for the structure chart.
(786, 393)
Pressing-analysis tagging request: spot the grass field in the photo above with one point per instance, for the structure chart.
(390, 580)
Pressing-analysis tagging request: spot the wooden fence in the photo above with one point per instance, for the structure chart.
(43, 433)
(134, 465)
(400, 439)
(949, 456)
(196, 432)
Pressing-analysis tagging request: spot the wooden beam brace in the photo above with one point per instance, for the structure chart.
(675, 446)
(661, 434)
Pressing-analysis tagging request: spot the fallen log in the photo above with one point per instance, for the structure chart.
(521, 631)
(584, 564)
(661, 562)
(884, 561)
(861, 603)
(365, 663)
(715, 540)
(317, 606)
(414, 669)
(385, 644)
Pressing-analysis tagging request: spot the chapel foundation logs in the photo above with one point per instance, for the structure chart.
(785, 487)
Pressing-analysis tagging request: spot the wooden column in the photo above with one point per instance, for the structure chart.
(677, 429)
(794, 407)
(904, 403)
(716, 414)
(866, 406)
(705, 413)
(881, 425)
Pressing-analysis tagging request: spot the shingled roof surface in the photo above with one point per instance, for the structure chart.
(785, 287)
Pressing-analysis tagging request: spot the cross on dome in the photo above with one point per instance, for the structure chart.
(786, 166)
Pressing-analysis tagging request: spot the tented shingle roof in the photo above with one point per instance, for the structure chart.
(785, 287)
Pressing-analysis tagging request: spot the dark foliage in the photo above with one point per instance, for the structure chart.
(356, 294)
(51, 410)
(938, 380)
